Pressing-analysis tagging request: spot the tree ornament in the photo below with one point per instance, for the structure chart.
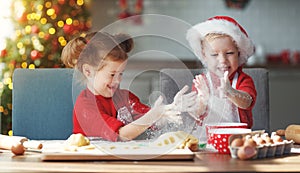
(125, 11)
(47, 36)
(23, 18)
(35, 29)
(3, 53)
(61, 2)
(68, 29)
(34, 54)
(236, 4)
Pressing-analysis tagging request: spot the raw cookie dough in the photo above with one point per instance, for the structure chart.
(178, 139)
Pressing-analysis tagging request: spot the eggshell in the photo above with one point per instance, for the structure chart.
(17, 149)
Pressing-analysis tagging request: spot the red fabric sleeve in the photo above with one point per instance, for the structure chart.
(138, 108)
(245, 83)
(90, 120)
(132, 102)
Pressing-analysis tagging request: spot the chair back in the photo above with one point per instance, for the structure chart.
(43, 103)
(171, 80)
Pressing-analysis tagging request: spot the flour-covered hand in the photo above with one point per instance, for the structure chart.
(184, 102)
(225, 87)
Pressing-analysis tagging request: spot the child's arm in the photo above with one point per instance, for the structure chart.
(182, 103)
(240, 98)
(135, 128)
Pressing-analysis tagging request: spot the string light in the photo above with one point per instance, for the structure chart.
(7, 81)
(24, 57)
(50, 12)
(10, 133)
(43, 21)
(39, 7)
(19, 45)
(10, 86)
(28, 16)
(18, 33)
(52, 31)
(53, 16)
(28, 29)
(69, 21)
(22, 51)
(38, 16)
(60, 23)
(31, 66)
(48, 4)
(41, 34)
(24, 65)
(80, 2)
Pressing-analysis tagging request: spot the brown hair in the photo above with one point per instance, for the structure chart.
(95, 48)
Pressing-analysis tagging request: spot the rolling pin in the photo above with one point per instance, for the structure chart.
(18, 144)
(13, 143)
(292, 132)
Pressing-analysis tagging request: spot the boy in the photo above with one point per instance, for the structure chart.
(225, 92)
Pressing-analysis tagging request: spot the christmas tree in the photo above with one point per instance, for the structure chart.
(42, 29)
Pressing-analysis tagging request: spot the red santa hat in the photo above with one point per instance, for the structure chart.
(223, 25)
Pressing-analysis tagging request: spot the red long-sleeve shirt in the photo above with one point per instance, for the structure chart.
(244, 83)
(96, 116)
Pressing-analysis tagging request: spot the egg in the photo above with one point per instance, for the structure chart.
(250, 142)
(269, 140)
(260, 141)
(277, 138)
(246, 152)
(17, 148)
(237, 142)
(280, 132)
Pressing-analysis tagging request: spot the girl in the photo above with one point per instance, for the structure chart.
(225, 92)
(103, 109)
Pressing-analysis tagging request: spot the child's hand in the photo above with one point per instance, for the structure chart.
(154, 114)
(225, 87)
(241, 99)
(202, 97)
(184, 102)
(202, 88)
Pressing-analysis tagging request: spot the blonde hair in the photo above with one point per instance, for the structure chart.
(212, 36)
(95, 48)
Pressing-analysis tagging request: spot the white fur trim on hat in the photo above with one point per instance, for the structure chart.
(222, 26)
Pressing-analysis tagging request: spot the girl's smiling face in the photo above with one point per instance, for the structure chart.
(106, 80)
(221, 54)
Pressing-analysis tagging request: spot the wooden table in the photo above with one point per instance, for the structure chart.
(203, 162)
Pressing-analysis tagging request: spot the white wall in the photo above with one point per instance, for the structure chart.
(270, 23)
